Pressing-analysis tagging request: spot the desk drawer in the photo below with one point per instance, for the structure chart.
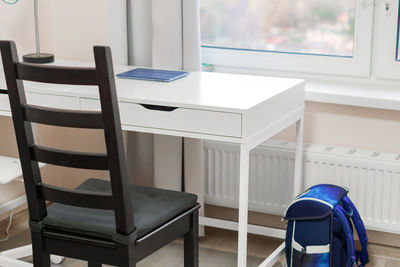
(53, 101)
(179, 119)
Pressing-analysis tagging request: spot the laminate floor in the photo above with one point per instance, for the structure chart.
(217, 248)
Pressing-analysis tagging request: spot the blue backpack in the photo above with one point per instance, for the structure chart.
(320, 229)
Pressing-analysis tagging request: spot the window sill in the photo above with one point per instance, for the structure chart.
(354, 94)
(359, 92)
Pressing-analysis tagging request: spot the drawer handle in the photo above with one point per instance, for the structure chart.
(159, 108)
(3, 91)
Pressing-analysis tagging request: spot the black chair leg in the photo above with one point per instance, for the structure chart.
(126, 258)
(94, 264)
(40, 258)
(191, 242)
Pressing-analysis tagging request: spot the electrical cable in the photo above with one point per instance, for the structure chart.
(36, 134)
(40, 141)
(7, 232)
(10, 2)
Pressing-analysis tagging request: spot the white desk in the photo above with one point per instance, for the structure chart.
(241, 109)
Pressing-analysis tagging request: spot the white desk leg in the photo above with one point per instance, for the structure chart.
(297, 188)
(298, 164)
(243, 204)
(274, 257)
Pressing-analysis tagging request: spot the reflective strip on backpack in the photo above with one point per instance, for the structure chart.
(311, 249)
(318, 249)
(291, 252)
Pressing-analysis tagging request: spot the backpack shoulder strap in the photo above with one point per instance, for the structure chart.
(359, 225)
(341, 215)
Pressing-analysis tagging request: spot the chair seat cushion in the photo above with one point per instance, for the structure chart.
(152, 208)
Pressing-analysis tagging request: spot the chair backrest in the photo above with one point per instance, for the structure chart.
(108, 119)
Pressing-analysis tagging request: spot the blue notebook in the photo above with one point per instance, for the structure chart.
(153, 75)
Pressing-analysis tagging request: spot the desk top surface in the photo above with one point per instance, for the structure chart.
(198, 90)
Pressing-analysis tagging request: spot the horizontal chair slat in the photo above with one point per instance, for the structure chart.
(79, 198)
(82, 160)
(56, 74)
(63, 117)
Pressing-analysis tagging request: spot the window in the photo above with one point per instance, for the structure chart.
(387, 39)
(289, 35)
(317, 27)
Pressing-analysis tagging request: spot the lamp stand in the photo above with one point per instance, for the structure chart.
(38, 57)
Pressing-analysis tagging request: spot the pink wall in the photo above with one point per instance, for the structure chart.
(70, 31)
(364, 128)
(78, 26)
(69, 28)
(17, 23)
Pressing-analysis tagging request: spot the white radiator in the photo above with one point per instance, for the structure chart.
(373, 178)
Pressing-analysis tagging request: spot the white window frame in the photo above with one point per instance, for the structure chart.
(359, 65)
(387, 67)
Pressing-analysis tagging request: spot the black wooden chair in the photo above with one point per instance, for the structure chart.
(100, 222)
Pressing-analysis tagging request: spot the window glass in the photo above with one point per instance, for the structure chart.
(322, 27)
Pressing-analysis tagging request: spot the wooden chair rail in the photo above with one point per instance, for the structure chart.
(79, 198)
(56, 74)
(72, 159)
(63, 117)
